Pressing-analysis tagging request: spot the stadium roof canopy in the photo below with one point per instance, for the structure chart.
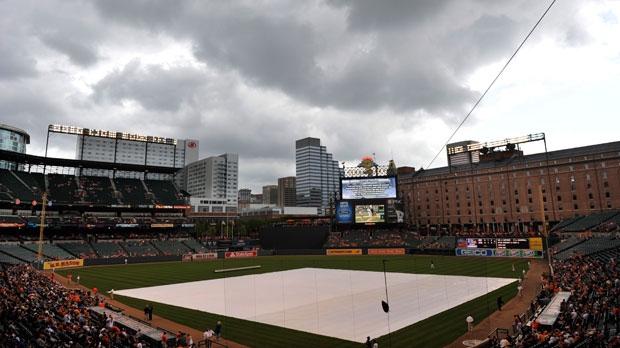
(20, 158)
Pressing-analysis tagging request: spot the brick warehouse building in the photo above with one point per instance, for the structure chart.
(504, 191)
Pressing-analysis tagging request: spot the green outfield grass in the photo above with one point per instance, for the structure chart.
(436, 331)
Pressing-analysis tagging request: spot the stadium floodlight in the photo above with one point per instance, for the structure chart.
(56, 128)
(453, 150)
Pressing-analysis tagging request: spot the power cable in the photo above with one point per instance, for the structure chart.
(492, 83)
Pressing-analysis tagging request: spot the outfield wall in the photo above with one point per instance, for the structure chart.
(297, 237)
(121, 260)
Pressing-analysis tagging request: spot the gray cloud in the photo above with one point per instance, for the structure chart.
(367, 15)
(15, 63)
(153, 87)
(387, 77)
(78, 52)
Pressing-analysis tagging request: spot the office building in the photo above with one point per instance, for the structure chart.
(213, 179)
(244, 195)
(317, 173)
(287, 188)
(270, 194)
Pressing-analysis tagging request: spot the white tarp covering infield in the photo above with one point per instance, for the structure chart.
(337, 303)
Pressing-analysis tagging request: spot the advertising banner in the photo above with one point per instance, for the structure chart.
(63, 264)
(385, 251)
(344, 252)
(237, 254)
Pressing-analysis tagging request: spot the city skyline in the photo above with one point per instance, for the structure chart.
(395, 79)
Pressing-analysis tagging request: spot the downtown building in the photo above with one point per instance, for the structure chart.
(317, 174)
(287, 191)
(270, 194)
(212, 184)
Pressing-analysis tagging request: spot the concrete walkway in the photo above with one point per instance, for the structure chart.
(503, 319)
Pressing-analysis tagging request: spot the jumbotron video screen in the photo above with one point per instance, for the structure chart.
(368, 188)
(368, 200)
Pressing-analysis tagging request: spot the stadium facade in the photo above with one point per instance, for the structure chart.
(504, 191)
(129, 148)
(317, 173)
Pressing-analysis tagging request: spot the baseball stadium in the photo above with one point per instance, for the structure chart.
(99, 254)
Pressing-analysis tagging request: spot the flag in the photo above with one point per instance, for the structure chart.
(233, 222)
(223, 222)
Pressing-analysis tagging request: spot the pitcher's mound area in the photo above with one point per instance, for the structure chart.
(337, 303)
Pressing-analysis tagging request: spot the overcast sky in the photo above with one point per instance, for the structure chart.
(390, 78)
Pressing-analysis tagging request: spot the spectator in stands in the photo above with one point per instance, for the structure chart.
(164, 340)
(55, 317)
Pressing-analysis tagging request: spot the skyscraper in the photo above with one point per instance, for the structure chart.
(317, 173)
(216, 178)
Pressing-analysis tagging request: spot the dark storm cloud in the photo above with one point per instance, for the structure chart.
(367, 15)
(16, 59)
(25, 106)
(15, 62)
(275, 53)
(487, 39)
(153, 87)
(281, 52)
(79, 53)
(69, 28)
(251, 77)
(154, 14)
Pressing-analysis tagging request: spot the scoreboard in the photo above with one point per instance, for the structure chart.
(500, 247)
(495, 243)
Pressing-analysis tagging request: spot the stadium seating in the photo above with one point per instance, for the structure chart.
(109, 250)
(80, 249)
(566, 244)
(195, 246)
(171, 247)
(587, 223)
(15, 188)
(51, 251)
(588, 247)
(63, 189)
(135, 248)
(564, 223)
(18, 252)
(132, 191)
(164, 192)
(97, 190)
